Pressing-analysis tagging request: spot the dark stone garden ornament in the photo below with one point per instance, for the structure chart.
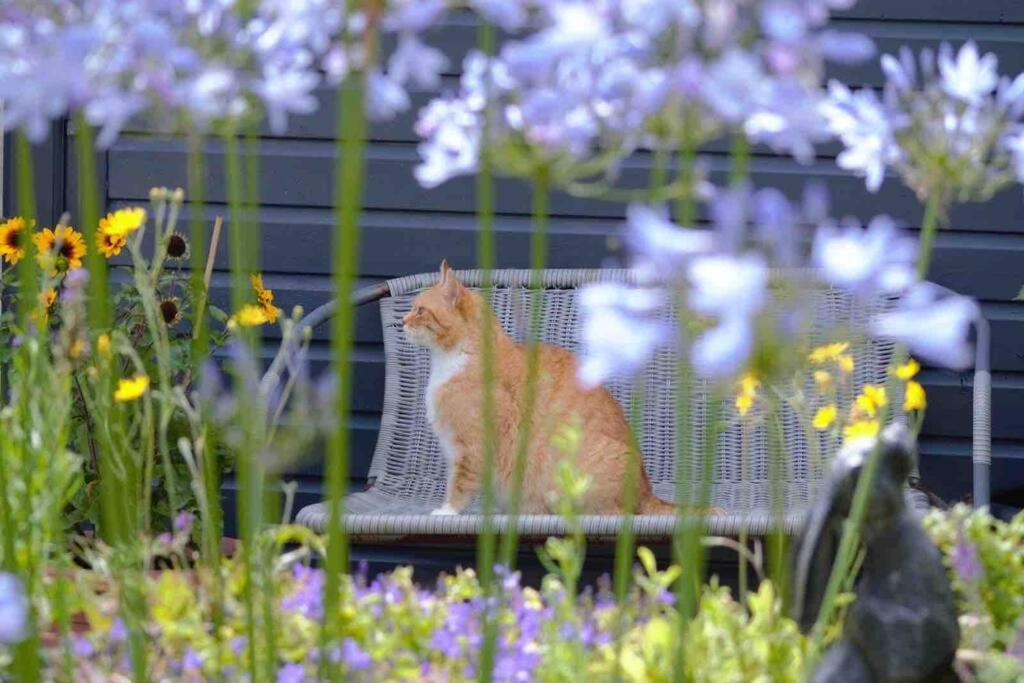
(902, 627)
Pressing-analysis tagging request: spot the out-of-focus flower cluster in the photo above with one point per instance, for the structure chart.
(947, 123)
(593, 81)
(744, 285)
(193, 63)
(985, 557)
(394, 629)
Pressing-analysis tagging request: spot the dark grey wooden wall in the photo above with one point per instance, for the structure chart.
(408, 229)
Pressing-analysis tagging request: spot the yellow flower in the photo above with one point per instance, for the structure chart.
(908, 370)
(845, 363)
(747, 393)
(861, 430)
(11, 231)
(871, 400)
(123, 221)
(249, 315)
(823, 380)
(828, 352)
(60, 249)
(110, 243)
(48, 298)
(131, 388)
(825, 416)
(103, 344)
(264, 298)
(914, 397)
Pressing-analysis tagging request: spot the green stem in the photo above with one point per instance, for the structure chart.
(244, 456)
(686, 204)
(487, 541)
(739, 168)
(348, 192)
(929, 226)
(88, 219)
(538, 258)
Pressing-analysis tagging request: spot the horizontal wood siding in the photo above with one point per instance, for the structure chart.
(407, 229)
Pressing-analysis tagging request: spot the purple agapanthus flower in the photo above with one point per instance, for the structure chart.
(292, 673)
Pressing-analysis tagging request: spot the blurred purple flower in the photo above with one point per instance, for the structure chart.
(183, 522)
(13, 609)
(965, 561)
(306, 597)
(82, 647)
(384, 97)
(417, 63)
(413, 15)
(658, 247)
(932, 325)
(509, 15)
(725, 348)
(876, 259)
(354, 657)
(724, 285)
(621, 330)
(292, 673)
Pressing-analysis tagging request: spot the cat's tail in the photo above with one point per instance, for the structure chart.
(650, 504)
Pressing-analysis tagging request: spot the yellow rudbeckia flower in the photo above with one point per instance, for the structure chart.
(908, 370)
(11, 231)
(825, 417)
(871, 400)
(60, 249)
(845, 363)
(914, 397)
(861, 430)
(131, 388)
(747, 393)
(249, 315)
(823, 380)
(828, 352)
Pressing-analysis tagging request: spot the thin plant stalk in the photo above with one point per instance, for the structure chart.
(739, 159)
(929, 226)
(777, 539)
(26, 663)
(213, 520)
(348, 194)
(244, 457)
(88, 219)
(538, 258)
(487, 541)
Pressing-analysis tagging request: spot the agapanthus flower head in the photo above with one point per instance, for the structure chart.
(623, 327)
(945, 124)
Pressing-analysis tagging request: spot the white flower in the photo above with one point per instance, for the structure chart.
(970, 77)
(724, 349)
(864, 127)
(878, 258)
(621, 330)
(934, 328)
(724, 285)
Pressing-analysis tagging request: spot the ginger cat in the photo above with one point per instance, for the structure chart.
(447, 319)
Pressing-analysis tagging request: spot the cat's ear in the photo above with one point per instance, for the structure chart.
(451, 288)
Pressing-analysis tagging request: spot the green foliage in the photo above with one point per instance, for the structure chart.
(985, 557)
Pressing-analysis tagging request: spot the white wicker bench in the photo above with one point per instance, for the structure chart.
(407, 475)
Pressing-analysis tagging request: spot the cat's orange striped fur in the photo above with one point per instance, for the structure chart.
(448, 319)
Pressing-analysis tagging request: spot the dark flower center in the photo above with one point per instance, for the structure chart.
(169, 311)
(177, 247)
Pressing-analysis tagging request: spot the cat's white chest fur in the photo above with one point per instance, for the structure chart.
(444, 365)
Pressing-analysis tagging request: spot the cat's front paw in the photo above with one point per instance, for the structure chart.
(445, 510)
